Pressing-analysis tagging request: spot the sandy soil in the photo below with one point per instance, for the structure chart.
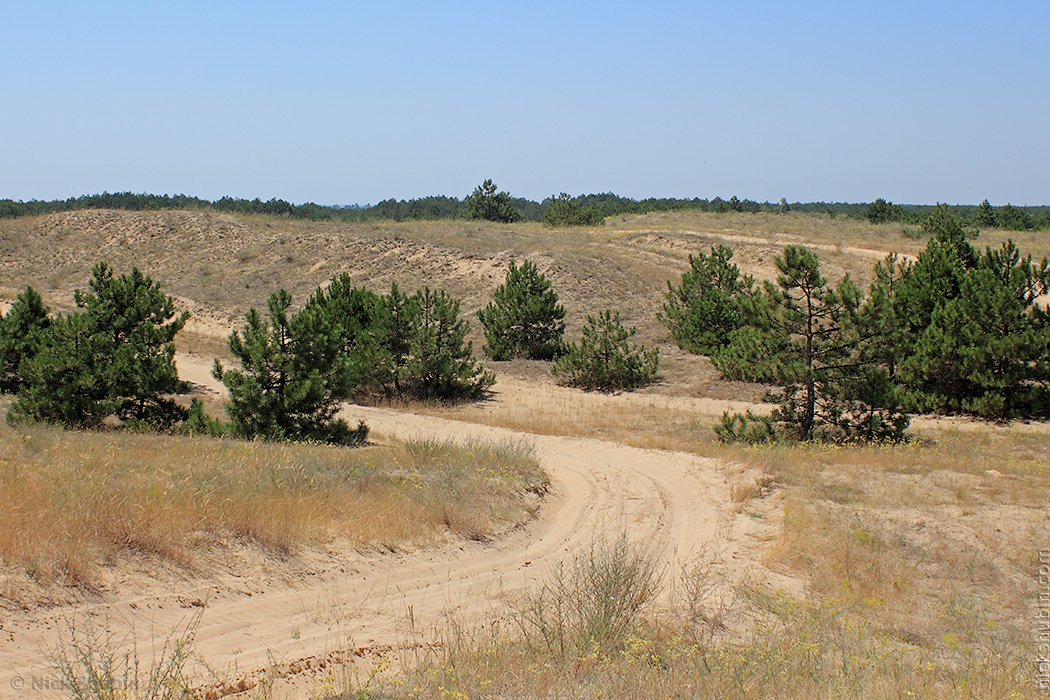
(329, 606)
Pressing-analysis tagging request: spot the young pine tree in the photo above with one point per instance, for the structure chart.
(816, 354)
(20, 337)
(568, 211)
(279, 393)
(67, 381)
(605, 359)
(987, 349)
(341, 325)
(963, 327)
(437, 364)
(524, 319)
(116, 357)
(706, 307)
(489, 204)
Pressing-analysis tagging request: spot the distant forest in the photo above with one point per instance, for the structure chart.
(984, 215)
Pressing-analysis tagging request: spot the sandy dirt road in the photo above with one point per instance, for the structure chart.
(676, 504)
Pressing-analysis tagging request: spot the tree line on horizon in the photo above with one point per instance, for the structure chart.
(566, 208)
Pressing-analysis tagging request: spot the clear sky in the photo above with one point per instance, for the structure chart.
(352, 102)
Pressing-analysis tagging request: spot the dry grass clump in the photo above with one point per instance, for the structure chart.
(69, 501)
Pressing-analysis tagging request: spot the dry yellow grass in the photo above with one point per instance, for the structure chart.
(71, 501)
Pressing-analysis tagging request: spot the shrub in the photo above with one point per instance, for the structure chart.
(93, 664)
(524, 319)
(593, 605)
(604, 359)
(198, 422)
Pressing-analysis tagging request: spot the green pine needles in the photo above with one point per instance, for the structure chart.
(489, 204)
(346, 342)
(570, 211)
(957, 331)
(605, 360)
(706, 307)
(115, 358)
(524, 319)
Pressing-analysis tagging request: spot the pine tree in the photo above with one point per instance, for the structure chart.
(20, 337)
(487, 203)
(605, 359)
(395, 321)
(117, 357)
(524, 319)
(278, 394)
(564, 210)
(438, 365)
(706, 307)
(341, 325)
(986, 215)
(807, 336)
(140, 324)
(961, 330)
(986, 348)
(67, 381)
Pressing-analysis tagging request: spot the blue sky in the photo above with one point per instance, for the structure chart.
(349, 102)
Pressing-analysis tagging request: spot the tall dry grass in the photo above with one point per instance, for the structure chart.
(69, 500)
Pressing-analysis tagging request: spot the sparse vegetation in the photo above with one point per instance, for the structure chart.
(92, 664)
(915, 559)
(864, 634)
(593, 605)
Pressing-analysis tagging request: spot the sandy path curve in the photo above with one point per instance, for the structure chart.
(674, 503)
